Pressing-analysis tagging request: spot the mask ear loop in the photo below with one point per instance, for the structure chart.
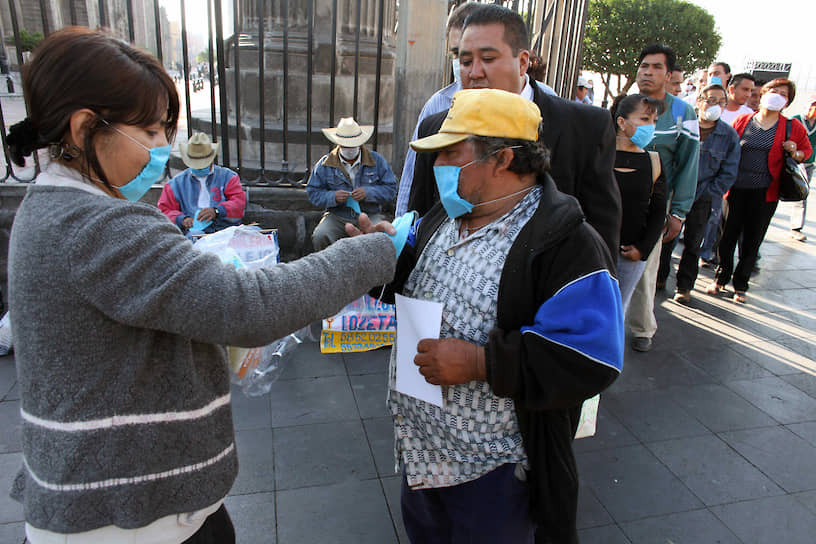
(128, 136)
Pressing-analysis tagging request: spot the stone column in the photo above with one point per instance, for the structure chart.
(420, 66)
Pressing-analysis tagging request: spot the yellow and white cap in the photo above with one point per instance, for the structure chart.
(484, 112)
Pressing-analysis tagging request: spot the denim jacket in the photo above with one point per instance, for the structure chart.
(719, 160)
(374, 174)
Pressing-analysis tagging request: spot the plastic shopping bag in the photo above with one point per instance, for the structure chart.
(242, 246)
(256, 369)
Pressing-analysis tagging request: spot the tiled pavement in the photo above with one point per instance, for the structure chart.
(710, 437)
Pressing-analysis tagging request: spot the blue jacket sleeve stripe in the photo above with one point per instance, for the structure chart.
(586, 316)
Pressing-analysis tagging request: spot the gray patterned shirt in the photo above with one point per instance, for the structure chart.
(476, 431)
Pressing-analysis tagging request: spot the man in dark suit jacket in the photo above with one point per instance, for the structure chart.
(493, 54)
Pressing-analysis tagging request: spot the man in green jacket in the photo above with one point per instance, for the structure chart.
(677, 140)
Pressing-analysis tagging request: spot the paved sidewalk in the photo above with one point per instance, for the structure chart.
(710, 437)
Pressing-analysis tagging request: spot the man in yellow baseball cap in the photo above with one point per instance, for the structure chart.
(531, 327)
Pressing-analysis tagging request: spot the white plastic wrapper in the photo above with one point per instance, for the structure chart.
(242, 246)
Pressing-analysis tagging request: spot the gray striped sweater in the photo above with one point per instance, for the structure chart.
(124, 388)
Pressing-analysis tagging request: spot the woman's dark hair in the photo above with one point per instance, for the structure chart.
(781, 82)
(528, 157)
(537, 69)
(625, 104)
(78, 68)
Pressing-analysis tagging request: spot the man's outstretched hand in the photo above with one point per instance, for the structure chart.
(367, 227)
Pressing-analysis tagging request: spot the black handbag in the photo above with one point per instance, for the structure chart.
(793, 183)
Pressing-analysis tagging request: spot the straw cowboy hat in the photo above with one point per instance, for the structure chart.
(348, 133)
(199, 151)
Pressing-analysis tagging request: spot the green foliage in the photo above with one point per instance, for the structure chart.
(29, 42)
(617, 30)
(204, 56)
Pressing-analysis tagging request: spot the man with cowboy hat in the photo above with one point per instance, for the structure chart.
(532, 326)
(205, 197)
(349, 180)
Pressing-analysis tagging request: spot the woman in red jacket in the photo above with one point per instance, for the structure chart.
(751, 202)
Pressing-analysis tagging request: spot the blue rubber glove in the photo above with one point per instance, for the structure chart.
(403, 227)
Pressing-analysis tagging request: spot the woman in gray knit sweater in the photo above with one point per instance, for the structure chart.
(125, 400)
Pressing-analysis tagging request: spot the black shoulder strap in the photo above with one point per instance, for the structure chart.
(787, 129)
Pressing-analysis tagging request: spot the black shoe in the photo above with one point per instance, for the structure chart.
(641, 343)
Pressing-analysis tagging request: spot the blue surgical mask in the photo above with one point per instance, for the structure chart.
(447, 182)
(200, 172)
(150, 174)
(643, 135)
(714, 80)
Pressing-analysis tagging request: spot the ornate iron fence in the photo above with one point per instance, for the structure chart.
(262, 76)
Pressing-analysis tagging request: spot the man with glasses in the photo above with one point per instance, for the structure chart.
(719, 158)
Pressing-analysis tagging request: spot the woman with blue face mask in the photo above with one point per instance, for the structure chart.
(118, 321)
(642, 186)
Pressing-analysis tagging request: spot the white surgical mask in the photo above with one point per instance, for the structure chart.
(773, 101)
(457, 76)
(711, 114)
(349, 153)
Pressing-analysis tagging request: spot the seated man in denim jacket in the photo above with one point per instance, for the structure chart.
(349, 180)
(204, 198)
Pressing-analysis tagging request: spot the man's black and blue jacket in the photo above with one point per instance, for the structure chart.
(558, 341)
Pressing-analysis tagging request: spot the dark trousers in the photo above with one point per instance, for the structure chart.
(747, 214)
(695, 229)
(493, 509)
(217, 529)
(664, 265)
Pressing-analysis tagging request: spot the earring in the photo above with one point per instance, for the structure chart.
(64, 151)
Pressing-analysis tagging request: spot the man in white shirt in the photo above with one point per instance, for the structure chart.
(739, 91)
(582, 91)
